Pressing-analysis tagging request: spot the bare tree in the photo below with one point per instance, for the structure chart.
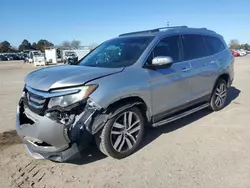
(66, 44)
(75, 44)
(93, 46)
(234, 44)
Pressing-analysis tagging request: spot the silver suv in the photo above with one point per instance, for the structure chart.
(140, 79)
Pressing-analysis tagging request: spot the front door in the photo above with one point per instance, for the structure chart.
(169, 86)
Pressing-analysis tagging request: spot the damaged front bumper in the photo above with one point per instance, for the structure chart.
(50, 136)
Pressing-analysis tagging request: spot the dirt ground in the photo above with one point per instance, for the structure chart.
(207, 150)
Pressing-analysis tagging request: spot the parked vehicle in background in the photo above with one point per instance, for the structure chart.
(9, 57)
(248, 51)
(242, 52)
(39, 59)
(15, 57)
(3, 58)
(31, 55)
(70, 57)
(235, 53)
(139, 79)
(22, 56)
(26, 52)
(36, 57)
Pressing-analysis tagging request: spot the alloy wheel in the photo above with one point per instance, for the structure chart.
(125, 131)
(220, 94)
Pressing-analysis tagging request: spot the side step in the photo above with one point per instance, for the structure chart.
(178, 116)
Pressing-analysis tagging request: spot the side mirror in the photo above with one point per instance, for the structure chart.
(162, 61)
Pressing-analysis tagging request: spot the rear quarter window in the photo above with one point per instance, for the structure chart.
(214, 45)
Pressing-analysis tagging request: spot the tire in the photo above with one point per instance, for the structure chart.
(219, 95)
(119, 141)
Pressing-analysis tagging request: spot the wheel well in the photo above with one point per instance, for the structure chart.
(130, 100)
(224, 77)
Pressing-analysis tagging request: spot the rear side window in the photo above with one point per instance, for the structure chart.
(194, 46)
(169, 46)
(214, 45)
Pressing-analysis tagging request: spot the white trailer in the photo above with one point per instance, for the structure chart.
(51, 55)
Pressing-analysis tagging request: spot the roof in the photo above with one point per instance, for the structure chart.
(168, 30)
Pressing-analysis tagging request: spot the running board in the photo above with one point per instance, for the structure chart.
(178, 116)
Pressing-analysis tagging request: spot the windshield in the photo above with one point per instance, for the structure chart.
(120, 52)
(70, 54)
(36, 53)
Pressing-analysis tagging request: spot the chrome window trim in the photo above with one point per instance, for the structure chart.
(47, 95)
(35, 106)
(37, 100)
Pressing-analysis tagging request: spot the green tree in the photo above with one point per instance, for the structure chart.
(5, 47)
(43, 44)
(34, 46)
(25, 45)
(245, 46)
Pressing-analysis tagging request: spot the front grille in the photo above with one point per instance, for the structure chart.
(35, 103)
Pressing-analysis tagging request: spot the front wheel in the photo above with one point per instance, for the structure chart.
(219, 96)
(122, 135)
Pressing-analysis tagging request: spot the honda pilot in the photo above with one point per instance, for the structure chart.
(139, 79)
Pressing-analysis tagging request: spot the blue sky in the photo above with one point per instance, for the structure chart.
(93, 21)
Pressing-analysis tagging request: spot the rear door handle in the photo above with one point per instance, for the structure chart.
(211, 62)
(185, 69)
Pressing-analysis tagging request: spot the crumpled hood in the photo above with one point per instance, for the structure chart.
(66, 76)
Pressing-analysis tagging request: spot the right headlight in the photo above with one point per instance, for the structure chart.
(66, 100)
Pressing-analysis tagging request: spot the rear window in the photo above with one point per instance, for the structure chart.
(214, 45)
(194, 46)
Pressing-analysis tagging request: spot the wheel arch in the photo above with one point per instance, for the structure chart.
(224, 76)
(130, 101)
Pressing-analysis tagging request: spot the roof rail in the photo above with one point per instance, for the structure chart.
(173, 27)
(152, 30)
(139, 32)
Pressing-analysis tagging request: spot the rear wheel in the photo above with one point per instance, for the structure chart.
(122, 134)
(219, 96)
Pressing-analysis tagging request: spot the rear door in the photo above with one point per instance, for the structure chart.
(218, 55)
(204, 67)
(169, 86)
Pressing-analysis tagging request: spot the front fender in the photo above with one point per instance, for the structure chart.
(115, 87)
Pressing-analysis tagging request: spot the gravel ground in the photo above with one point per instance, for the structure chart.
(203, 150)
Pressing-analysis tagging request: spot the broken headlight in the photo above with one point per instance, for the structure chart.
(66, 100)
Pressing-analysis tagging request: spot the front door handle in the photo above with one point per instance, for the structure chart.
(210, 62)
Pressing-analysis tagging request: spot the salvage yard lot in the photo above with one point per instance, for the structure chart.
(203, 150)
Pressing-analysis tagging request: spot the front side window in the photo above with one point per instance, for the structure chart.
(214, 45)
(194, 46)
(169, 46)
(120, 52)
